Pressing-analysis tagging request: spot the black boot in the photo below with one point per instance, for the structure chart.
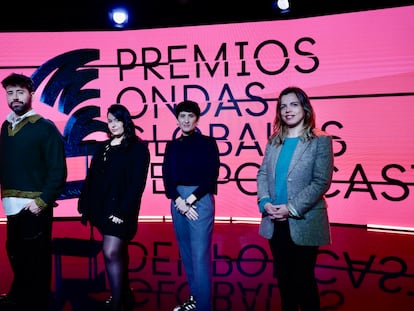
(127, 301)
(108, 304)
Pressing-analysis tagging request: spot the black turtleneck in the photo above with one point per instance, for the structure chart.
(191, 160)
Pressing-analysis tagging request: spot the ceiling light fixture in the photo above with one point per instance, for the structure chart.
(119, 17)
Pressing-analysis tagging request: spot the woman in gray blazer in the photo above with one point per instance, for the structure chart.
(295, 174)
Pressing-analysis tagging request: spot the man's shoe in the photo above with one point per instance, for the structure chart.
(189, 305)
(7, 302)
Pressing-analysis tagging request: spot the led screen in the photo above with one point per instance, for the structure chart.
(358, 69)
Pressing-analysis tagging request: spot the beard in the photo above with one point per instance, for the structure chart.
(21, 108)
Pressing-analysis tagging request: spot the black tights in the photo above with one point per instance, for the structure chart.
(116, 258)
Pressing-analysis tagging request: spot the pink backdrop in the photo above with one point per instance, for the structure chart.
(358, 69)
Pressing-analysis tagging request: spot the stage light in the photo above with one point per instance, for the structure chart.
(119, 17)
(283, 4)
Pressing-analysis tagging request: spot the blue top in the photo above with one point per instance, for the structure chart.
(282, 168)
(281, 171)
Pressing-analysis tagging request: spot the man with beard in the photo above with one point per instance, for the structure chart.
(32, 175)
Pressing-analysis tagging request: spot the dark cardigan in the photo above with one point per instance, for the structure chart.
(114, 185)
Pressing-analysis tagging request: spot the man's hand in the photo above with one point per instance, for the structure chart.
(33, 208)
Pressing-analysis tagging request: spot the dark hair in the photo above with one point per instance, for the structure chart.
(122, 114)
(188, 106)
(280, 128)
(16, 79)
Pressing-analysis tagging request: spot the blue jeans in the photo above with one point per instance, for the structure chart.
(194, 239)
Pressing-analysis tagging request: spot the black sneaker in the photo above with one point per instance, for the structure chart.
(189, 305)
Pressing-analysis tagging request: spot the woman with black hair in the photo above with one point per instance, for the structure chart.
(111, 196)
(190, 173)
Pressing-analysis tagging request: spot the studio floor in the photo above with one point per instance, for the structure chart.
(362, 270)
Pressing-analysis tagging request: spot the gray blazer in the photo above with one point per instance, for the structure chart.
(309, 178)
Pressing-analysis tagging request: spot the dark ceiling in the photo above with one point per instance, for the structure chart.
(79, 15)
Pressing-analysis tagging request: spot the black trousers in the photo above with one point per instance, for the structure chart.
(29, 250)
(294, 268)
